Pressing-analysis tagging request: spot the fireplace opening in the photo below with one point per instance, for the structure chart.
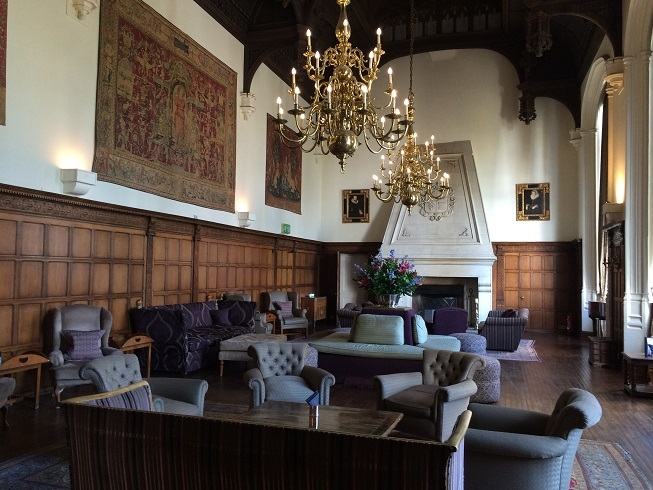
(429, 297)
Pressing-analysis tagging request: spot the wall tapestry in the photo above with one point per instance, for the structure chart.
(3, 61)
(166, 110)
(283, 172)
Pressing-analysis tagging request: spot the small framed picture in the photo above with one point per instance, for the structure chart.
(648, 351)
(533, 202)
(356, 206)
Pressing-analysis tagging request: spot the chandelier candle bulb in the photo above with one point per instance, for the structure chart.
(279, 106)
(390, 80)
(341, 118)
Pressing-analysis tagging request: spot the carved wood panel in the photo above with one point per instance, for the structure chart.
(536, 276)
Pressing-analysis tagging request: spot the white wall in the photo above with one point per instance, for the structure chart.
(51, 86)
(471, 95)
(51, 83)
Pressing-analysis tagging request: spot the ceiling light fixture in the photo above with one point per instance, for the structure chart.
(412, 182)
(342, 107)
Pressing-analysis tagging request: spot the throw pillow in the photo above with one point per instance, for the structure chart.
(420, 333)
(220, 318)
(285, 307)
(379, 329)
(241, 313)
(82, 345)
(509, 314)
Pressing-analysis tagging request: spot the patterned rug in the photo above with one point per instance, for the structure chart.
(525, 352)
(598, 466)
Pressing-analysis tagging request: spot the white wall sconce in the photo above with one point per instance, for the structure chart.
(245, 218)
(77, 181)
(247, 104)
(81, 8)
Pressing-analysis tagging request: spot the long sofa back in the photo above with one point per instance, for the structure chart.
(187, 335)
(126, 449)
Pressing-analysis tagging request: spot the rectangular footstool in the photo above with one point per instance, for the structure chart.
(235, 349)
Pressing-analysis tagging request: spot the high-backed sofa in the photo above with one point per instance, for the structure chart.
(117, 448)
(187, 335)
(378, 344)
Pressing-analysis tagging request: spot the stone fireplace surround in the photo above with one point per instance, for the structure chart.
(451, 250)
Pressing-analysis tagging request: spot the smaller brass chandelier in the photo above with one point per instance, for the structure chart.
(414, 179)
(342, 107)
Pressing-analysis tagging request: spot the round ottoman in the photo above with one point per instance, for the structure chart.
(471, 342)
(488, 381)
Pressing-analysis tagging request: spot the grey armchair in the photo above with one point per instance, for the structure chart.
(282, 374)
(509, 447)
(291, 318)
(78, 334)
(172, 395)
(7, 386)
(503, 329)
(432, 400)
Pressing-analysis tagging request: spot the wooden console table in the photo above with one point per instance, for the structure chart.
(632, 375)
(316, 308)
(26, 362)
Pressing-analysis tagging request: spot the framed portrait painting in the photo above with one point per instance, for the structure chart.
(533, 202)
(356, 206)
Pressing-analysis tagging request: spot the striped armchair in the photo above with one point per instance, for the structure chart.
(504, 332)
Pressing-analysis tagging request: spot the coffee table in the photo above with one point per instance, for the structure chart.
(235, 348)
(328, 418)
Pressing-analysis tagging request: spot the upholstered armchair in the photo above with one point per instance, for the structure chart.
(7, 386)
(283, 375)
(503, 329)
(78, 334)
(432, 400)
(510, 447)
(285, 307)
(260, 325)
(172, 395)
(449, 320)
(346, 316)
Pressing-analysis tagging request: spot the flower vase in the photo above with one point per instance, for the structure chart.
(389, 300)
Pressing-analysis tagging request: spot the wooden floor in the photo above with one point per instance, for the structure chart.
(529, 385)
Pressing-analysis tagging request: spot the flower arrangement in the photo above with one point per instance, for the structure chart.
(388, 275)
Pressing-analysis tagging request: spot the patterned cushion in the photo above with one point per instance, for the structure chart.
(240, 313)
(420, 333)
(81, 345)
(197, 314)
(379, 329)
(285, 307)
(220, 318)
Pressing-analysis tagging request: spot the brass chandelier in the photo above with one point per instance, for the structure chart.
(414, 179)
(342, 107)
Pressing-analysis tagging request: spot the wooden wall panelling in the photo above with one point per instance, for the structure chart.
(536, 276)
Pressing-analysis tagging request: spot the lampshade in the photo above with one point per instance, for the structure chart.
(596, 310)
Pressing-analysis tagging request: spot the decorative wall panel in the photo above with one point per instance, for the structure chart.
(166, 110)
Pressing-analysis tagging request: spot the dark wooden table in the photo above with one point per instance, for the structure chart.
(632, 375)
(329, 418)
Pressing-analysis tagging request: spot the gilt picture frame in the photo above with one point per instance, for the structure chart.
(533, 202)
(356, 206)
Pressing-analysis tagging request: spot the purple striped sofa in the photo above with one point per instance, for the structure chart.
(503, 329)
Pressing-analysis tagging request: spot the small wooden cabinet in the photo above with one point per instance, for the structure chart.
(316, 308)
(603, 351)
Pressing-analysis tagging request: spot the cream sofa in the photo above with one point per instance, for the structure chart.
(376, 345)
